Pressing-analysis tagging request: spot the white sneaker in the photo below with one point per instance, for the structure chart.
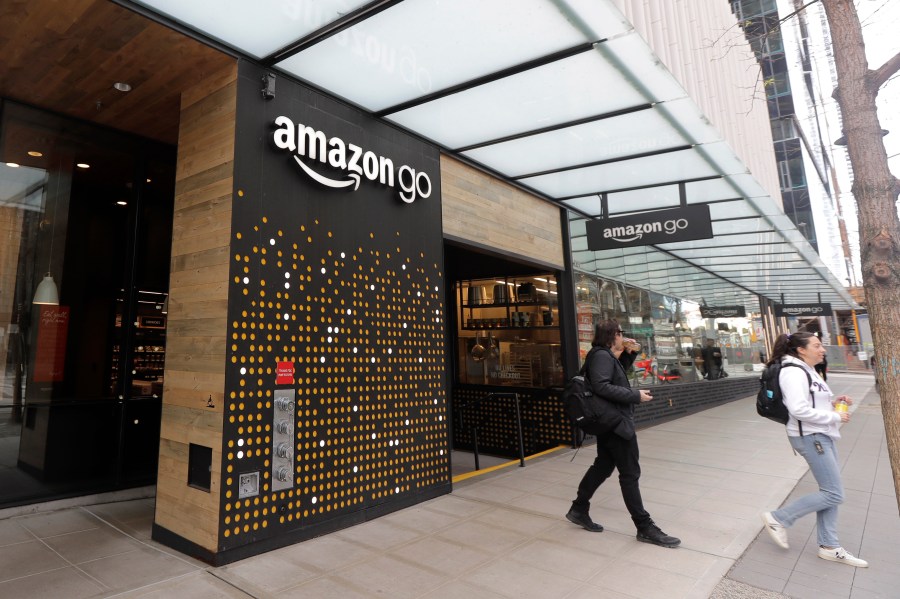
(841, 555)
(775, 529)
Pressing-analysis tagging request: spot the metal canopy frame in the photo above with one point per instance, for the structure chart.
(559, 97)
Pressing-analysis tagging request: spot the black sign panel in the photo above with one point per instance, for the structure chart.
(722, 311)
(802, 309)
(649, 228)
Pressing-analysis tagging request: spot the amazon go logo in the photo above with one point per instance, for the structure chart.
(649, 228)
(310, 146)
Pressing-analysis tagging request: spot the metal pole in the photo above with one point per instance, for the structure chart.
(519, 426)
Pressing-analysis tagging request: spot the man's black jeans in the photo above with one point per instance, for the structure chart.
(615, 452)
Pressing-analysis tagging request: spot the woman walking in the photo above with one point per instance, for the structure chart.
(812, 429)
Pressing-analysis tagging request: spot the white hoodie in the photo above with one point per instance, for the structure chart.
(795, 389)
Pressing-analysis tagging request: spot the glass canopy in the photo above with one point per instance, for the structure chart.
(561, 97)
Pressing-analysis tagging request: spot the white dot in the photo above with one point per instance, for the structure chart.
(373, 359)
(442, 452)
(354, 350)
(243, 370)
(337, 330)
(322, 443)
(418, 294)
(435, 288)
(323, 271)
(330, 330)
(390, 351)
(421, 359)
(287, 285)
(287, 275)
(403, 267)
(404, 325)
(407, 422)
(329, 339)
(240, 442)
(374, 435)
(372, 287)
(315, 499)
(391, 443)
(396, 489)
(440, 418)
(396, 441)
(356, 408)
(342, 255)
(271, 242)
(240, 454)
(435, 401)
(349, 311)
(322, 359)
(246, 280)
(356, 468)
(287, 316)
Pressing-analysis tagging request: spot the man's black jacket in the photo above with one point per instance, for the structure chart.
(607, 379)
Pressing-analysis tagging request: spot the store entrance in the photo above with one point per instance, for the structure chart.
(83, 302)
(507, 363)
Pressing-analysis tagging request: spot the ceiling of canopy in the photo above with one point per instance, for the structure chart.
(560, 97)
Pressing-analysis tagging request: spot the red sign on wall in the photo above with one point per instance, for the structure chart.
(284, 373)
(50, 355)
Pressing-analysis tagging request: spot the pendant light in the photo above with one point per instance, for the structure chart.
(46, 292)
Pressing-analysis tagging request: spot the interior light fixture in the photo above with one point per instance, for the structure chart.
(83, 165)
(46, 292)
(122, 86)
(12, 165)
(122, 203)
(35, 153)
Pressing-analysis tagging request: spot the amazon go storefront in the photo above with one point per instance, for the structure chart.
(284, 318)
(334, 405)
(282, 357)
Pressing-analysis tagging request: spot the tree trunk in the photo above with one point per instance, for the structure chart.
(875, 190)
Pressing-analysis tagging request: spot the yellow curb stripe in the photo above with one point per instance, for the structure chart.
(467, 475)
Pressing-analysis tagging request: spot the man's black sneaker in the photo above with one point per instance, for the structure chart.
(652, 534)
(583, 520)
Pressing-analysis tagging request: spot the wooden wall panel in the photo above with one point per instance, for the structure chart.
(198, 302)
(490, 213)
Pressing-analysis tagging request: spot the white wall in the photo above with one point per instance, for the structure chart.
(703, 47)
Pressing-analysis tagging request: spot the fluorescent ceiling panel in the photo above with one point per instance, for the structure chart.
(626, 135)
(418, 47)
(685, 164)
(577, 87)
(258, 28)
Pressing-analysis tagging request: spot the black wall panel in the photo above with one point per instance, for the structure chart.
(347, 285)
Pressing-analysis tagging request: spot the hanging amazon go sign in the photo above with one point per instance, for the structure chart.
(802, 309)
(650, 228)
(723, 312)
(350, 163)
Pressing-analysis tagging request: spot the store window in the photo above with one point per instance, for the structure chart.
(86, 214)
(677, 344)
(509, 332)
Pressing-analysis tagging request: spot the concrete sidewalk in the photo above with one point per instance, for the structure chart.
(502, 534)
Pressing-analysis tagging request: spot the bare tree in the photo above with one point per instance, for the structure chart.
(875, 190)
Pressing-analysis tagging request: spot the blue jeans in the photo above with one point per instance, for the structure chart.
(824, 503)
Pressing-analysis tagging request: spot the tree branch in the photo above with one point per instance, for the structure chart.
(879, 77)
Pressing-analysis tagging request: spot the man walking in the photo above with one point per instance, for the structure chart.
(605, 372)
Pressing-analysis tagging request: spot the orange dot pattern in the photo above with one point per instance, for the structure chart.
(363, 322)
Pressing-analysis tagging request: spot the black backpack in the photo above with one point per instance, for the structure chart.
(769, 400)
(577, 399)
